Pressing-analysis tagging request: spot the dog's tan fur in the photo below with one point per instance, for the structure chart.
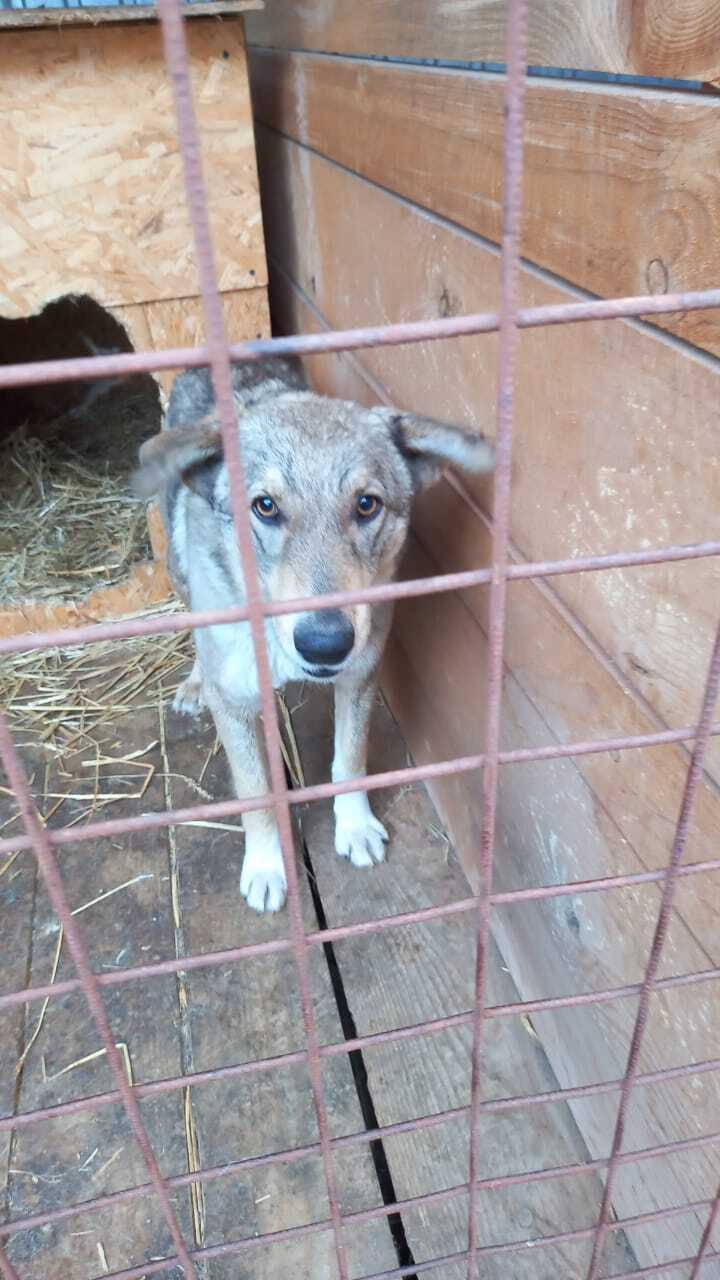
(315, 458)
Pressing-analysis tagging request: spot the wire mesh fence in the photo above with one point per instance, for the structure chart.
(219, 355)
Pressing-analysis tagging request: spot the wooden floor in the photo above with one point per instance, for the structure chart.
(142, 898)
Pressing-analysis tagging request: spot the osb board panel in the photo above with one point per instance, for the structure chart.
(597, 816)
(179, 322)
(147, 584)
(619, 196)
(93, 197)
(425, 972)
(615, 437)
(650, 38)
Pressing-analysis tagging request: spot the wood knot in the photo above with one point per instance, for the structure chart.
(657, 276)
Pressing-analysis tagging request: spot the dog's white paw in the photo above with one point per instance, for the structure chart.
(189, 699)
(359, 835)
(262, 880)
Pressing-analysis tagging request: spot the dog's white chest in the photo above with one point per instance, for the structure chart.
(228, 653)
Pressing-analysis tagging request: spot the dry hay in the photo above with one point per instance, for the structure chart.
(68, 701)
(68, 525)
(58, 697)
(66, 707)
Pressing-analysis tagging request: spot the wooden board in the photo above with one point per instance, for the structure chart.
(93, 194)
(568, 820)
(650, 38)
(395, 978)
(617, 197)
(147, 584)
(93, 15)
(17, 889)
(617, 454)
(252, 1010)
(179, 322)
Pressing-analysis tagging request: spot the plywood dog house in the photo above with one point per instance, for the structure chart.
(93, 204)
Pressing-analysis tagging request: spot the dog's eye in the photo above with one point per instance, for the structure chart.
(368, 505)
(265, 508)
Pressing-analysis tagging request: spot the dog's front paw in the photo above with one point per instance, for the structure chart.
(359, 835)
(189, 699)
(262, 880)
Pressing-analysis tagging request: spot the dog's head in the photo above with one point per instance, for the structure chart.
(330, 487)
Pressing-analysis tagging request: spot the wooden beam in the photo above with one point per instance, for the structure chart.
(619, 192)
(98, 15)
(642, 37)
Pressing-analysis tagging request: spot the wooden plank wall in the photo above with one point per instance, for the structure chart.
(626, 37)
(381, 195)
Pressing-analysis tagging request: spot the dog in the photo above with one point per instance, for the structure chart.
(330, 488)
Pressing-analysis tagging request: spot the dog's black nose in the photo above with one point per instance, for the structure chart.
(324, 639)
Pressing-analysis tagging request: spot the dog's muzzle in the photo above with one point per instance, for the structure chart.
(324, 640)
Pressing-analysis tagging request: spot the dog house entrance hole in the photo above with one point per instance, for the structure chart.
(68, 522)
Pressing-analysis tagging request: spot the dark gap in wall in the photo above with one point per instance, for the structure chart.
(498, 68)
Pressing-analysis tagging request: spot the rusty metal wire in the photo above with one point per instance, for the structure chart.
(83, 368)
(516, 58)
(176, 57)
(218, 354)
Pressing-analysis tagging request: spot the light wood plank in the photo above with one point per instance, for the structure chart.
(618, 195)
(145, 585)
(252, 1010)
(651, 38)
(94, 201)
(599, 816)
(615, 438)
(179, 322)
(73, 1158)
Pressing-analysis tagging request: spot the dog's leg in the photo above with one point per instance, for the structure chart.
(262, 882)
(189, 699)
(358, 834)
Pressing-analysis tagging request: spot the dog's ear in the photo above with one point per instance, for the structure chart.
(190, 454)
(430, 446)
